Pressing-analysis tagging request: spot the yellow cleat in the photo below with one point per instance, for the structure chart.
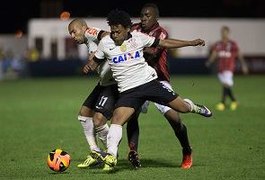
(220, 107)
(91, 160)
(110, 162)
(233, 105)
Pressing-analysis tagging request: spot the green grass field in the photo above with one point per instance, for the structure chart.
(39, 115)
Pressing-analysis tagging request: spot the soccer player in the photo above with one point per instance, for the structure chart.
(226, 51)
(157, 58)
(98, 106)
(136, 79)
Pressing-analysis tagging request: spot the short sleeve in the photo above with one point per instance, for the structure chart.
(146, 39)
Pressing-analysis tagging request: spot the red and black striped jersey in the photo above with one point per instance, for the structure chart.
(227, 53)
(158, 58)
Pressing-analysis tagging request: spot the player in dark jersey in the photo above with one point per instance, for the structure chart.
(157, 58)
(226, 52)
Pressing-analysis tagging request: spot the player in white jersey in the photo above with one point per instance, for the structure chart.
(136, 79)
(98, 106)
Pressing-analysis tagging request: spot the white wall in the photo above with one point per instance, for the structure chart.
(249, 33)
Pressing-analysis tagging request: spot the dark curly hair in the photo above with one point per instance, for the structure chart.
(116, 17)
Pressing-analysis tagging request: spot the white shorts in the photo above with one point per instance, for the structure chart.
(162, 108)
(226, 77)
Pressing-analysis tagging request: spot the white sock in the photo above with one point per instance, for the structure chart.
(190, 104)
(88, 127)
(102, 132)
(114, 138)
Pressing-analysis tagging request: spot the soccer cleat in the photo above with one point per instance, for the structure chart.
(90, 161)
(133, 157)
(199, 109)
(220, 106)
(93, 159)
(110, 162)
(203, 110)
(233, 105)
(186, 161)
(99, 155)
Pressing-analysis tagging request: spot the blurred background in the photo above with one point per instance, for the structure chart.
(34, 40)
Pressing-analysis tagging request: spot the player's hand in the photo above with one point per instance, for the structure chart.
(86, 69)
(198, 42)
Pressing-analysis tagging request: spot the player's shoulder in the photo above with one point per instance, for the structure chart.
(106, 38)
(138, 34)
(106, 42)
(136, 26)
(162, 29)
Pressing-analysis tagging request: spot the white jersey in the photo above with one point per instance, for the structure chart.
(126, 61)
(103, 70)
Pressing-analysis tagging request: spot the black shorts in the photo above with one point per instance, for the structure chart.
(152, 91)
(102, 99)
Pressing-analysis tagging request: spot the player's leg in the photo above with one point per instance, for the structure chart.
(181, 133)
(133, 138)
(104, 108)
(179, 129)
(85, 117)
(120, 117)
(226, 79)
(126, 105)
(159, 93)
(101, 127)
(228, 85)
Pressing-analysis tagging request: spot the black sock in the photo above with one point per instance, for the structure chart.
(225, 94)
(230, 94)
(181, 133)
(133, 131)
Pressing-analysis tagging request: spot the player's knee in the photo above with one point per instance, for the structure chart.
(85, 111)
(173, 116)
(99, 119)
(179, 105)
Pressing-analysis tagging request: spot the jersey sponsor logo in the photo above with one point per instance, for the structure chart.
(224, 54)
(123, 48)
(92, 31)
(126, 57)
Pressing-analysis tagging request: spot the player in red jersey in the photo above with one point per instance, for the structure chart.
(226, 52)
(157, 58)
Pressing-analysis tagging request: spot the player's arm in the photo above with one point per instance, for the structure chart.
(176, 43)
(95, 60)
(153, 52)
(211, 59)
(92, 64)
(243, 63)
